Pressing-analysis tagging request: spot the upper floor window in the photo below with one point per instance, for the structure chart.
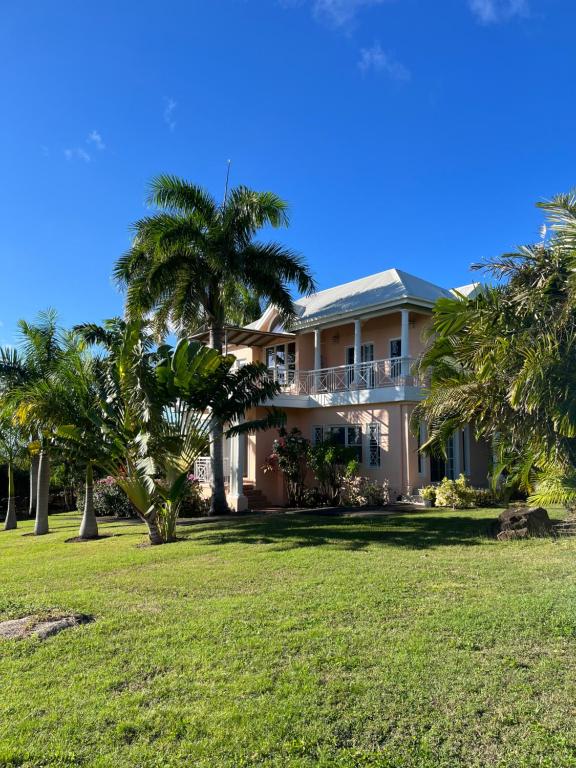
(281, 362)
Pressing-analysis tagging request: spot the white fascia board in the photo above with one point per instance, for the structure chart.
(363, 314)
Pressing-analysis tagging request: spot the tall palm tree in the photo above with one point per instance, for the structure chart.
(39, 350)
(65, 402)
(192, 262)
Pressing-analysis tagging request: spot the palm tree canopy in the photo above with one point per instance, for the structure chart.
(505, 360)
(196, 262)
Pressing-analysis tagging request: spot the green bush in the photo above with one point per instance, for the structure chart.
(364, 492)
(331, 465)
(428, 493)
(456, 494)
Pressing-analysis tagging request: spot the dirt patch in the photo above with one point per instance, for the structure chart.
(40, 626)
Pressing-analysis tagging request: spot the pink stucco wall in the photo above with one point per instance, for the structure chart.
(398, 458)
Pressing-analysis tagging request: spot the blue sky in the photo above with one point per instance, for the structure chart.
(405, 133)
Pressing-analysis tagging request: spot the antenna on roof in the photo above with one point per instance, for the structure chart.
(227, 180)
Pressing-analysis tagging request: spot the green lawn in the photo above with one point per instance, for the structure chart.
(293, 641)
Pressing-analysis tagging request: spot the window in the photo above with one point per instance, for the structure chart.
(347, 435)
(374, 445)
(281, 362)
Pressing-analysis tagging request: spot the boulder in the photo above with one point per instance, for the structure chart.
(523, 522)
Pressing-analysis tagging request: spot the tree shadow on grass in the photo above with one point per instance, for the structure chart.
(411, 531)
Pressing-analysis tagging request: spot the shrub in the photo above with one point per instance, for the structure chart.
(456, 494)
(313, 497)
(195, 504)
(289, 455)
(485, 497)
(364, 492)
(331, 465)
(428, 493)
(109, 499)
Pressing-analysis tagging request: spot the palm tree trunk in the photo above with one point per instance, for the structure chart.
(41, 525)
(89, 526)
(218, 503)
(154, 532)
(34, 460)
(10, 522)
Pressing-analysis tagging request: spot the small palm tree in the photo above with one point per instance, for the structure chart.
(196, 261)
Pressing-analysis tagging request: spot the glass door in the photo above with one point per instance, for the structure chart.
(395, 358)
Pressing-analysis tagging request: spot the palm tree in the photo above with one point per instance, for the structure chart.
(39, 350)
(12, 448)
(194, 262)
(505, 361)
(157, 411)
(65, 403)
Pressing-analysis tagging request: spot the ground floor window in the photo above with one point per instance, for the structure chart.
(348, 435)
(374, 445)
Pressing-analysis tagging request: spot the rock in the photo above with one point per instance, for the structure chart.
(16, 629)
(523, 522)
(510, 535)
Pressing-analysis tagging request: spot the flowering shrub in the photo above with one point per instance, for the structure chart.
(364, 492)
(109, 499)
(455, 493)
(289, 455)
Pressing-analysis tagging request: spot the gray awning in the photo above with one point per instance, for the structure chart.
(236, 336)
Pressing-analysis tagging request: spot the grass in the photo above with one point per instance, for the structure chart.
(403, 641)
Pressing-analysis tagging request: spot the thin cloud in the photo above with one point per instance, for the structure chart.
(77, 153)
(95, 138)
(497, 11)
(169, 113)
(337, 13)
(376, 59)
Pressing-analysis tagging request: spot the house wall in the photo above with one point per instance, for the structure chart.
(398, 458)
(334, 341)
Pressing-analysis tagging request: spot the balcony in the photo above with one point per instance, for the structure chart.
(390, 372)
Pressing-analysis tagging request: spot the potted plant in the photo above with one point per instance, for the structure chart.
(428, 495)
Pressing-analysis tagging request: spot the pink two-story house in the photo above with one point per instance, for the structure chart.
(345, 367)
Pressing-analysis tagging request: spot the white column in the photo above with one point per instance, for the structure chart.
(405, 343)
(357, 351)
(317, 356)
(236, 499)
(317, 350)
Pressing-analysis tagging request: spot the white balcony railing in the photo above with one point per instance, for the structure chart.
(391, 372)
(203, 470)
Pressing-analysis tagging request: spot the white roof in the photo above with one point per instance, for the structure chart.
(389, 287)
(470, 291)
